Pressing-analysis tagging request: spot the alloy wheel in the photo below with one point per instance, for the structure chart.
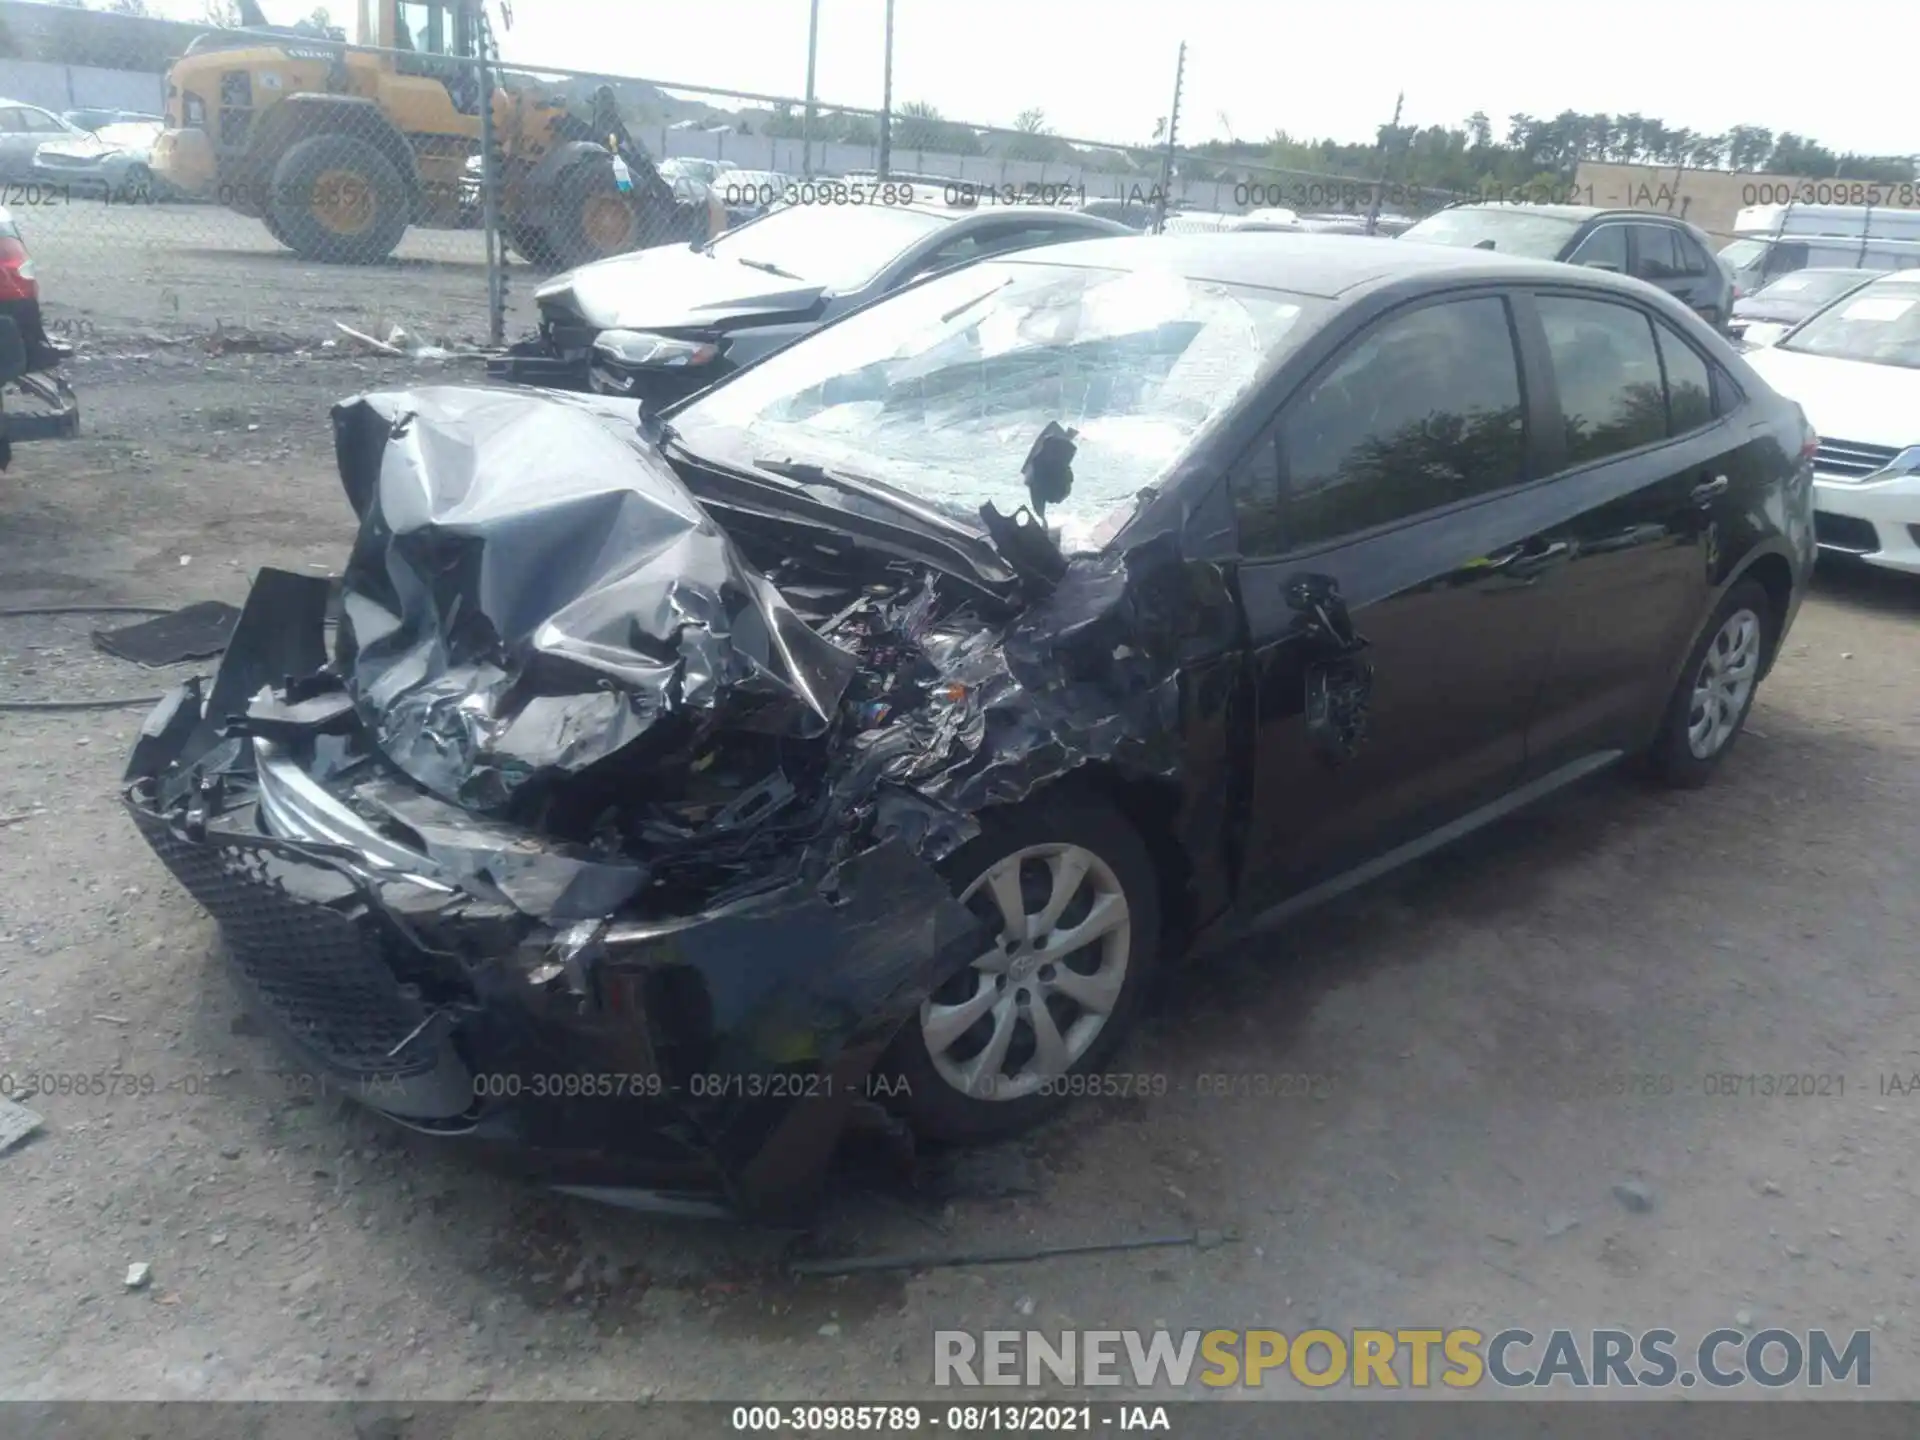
(1724, 684)
(1028, 1008)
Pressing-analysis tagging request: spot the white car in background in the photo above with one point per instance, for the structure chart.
(1855, 369)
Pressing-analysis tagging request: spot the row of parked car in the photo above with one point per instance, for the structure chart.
(95, 152)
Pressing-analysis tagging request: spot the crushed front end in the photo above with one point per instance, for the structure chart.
(581, 837)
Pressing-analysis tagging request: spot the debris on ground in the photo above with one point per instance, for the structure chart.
(866, 1264)
(193, 632)
(1634, 1195)
(138, 1275)
(400, 343)
(17, 1122)
(247, 342)
(1559, 1225)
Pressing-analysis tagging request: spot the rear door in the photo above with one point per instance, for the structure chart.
(1386, 476)
(1666, 257)
(1647, 485)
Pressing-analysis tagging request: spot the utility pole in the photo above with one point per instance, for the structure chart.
(806, 124)
(1386, 158)
(886, 102)
(1173, 129)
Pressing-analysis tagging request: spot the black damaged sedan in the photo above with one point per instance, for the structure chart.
(658, 797)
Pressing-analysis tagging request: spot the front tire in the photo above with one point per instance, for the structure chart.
(1716, 689)
(1070, 894)
(339, 200)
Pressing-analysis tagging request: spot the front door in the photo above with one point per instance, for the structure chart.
(1375, 484)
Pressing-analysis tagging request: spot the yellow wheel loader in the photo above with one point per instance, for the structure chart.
(339, 151)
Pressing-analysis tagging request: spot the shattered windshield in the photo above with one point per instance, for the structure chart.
(942, 391)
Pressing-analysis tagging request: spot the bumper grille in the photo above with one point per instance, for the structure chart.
(324, 976)
(1846, 533)
(1850, 459)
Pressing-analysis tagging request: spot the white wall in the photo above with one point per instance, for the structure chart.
(79, 87)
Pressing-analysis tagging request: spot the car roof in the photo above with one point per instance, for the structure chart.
(985, 214)
(1322, 265)
(1578, 212)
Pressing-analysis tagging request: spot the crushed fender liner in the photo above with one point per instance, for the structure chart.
(606, 830)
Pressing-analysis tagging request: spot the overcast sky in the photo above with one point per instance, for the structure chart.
(1104, 69)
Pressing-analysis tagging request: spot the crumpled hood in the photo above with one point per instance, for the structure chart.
(1847, 399)
(533, 589)
(672, 287)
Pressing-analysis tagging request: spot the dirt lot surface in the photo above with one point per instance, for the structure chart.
(1764, 926)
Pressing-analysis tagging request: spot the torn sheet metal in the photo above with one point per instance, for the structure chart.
(740, 1037)
(581, 790)
(534, 590)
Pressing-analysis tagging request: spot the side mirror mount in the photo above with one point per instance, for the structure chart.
(13, 351)
(1325, 621)
(1339, 680)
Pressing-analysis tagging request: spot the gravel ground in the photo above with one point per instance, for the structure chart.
(1765, 925)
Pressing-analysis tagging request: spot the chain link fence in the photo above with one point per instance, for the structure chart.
(180, 180)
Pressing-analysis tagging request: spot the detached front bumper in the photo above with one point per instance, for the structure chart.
(696, 1064)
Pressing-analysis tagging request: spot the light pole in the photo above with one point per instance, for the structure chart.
(806, 124)
(886, 101)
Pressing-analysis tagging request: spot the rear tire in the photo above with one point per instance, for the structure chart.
(593, 219)
(1716, 689)
(970, 1066)
(339, 200)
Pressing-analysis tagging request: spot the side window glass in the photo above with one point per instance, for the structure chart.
(10, 121)
(1422, 411)
(954, 252)
(1604, 249)
(1256, 499)
(1689, 383)
(1657, 260)
(1693, 259)
(1604, 361)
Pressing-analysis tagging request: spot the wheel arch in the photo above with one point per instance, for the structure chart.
(1773, 572)
(1151, 805)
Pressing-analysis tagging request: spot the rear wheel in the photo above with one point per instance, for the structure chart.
(592, 217)
(1068, 894)
(337, 199)
(1716, 689)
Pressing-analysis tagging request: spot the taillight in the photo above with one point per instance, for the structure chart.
(16, 271)
(1809, 441)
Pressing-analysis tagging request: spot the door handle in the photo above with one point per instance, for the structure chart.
(1707, 489)
(1528, 558)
